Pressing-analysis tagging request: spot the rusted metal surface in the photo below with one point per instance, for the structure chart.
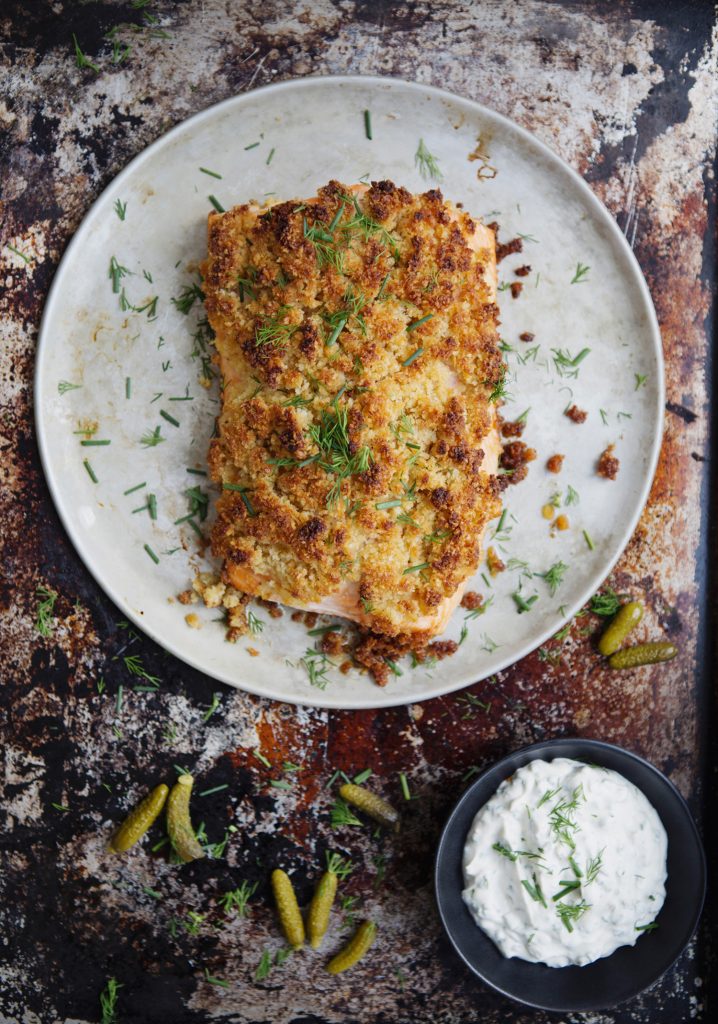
(626, 93)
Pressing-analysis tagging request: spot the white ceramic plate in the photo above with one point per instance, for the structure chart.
(314, 130)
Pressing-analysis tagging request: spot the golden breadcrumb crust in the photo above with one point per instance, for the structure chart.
(357, 339)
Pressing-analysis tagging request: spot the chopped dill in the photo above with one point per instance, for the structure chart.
(275, 331)
(566, 364)
(427, 163)
(580, 274)
(256, 625)
(116, 273)
(109, 995)
(44, 621)
(342, 814)
(331, 436)
(190, 294)
(571, 912)
(554, 576)
(83, 61)
(151, 438)
(120, 208)
(237, 899)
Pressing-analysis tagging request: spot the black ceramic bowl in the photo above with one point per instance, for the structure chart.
(629, 970)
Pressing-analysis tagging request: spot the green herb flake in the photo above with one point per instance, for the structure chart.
(417, 323)
(534, 890)
(427, 163)
(170, 419)
(212, 708)
(566, 364)
(571, 912)
(216, 204)
(341, 814)
(580, 274)
(414, 355)
(186, 299)
(83, 62)
(236, 900)
(90, 471)
(367, 124)
(212, 174)
(120, 209)
(524, 604)
(108, 997)
(554, 576)
(44, 612)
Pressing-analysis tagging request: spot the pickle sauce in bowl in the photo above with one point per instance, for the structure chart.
(570, 875)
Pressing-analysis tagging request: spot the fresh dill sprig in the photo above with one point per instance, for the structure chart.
(572, 497)
(606, 602)
(498, 388)
(427, 163)
(81, 60)
(120, 208)
(566, 364)
(133, 664)
(593, 867)
(571, 912)
(316, 663)
(237, 899)
(548, 795)
(561, 819)
(44, 622)
(108, 1001)
(115, 274)
(324, 244)
(367, 227)
(554, 576)
(331, 436)
(186, 299)
(63, 386)
(640, 379)
(274, 330)
(342, 814)
(151, 438)
(580, 274)
(514, 855)
(256, 625)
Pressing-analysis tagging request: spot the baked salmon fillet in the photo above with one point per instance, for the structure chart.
(357, 444)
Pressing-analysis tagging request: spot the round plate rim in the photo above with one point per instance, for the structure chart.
(384, 697)
(540, 749)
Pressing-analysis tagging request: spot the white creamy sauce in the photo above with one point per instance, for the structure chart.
(565, 863)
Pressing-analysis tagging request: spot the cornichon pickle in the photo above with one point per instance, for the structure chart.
(323, 898)
(138, 821)
(290, 917)
(371, 804)
(625, 619)
(643, 654)
(179, 826)
(354, 949)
